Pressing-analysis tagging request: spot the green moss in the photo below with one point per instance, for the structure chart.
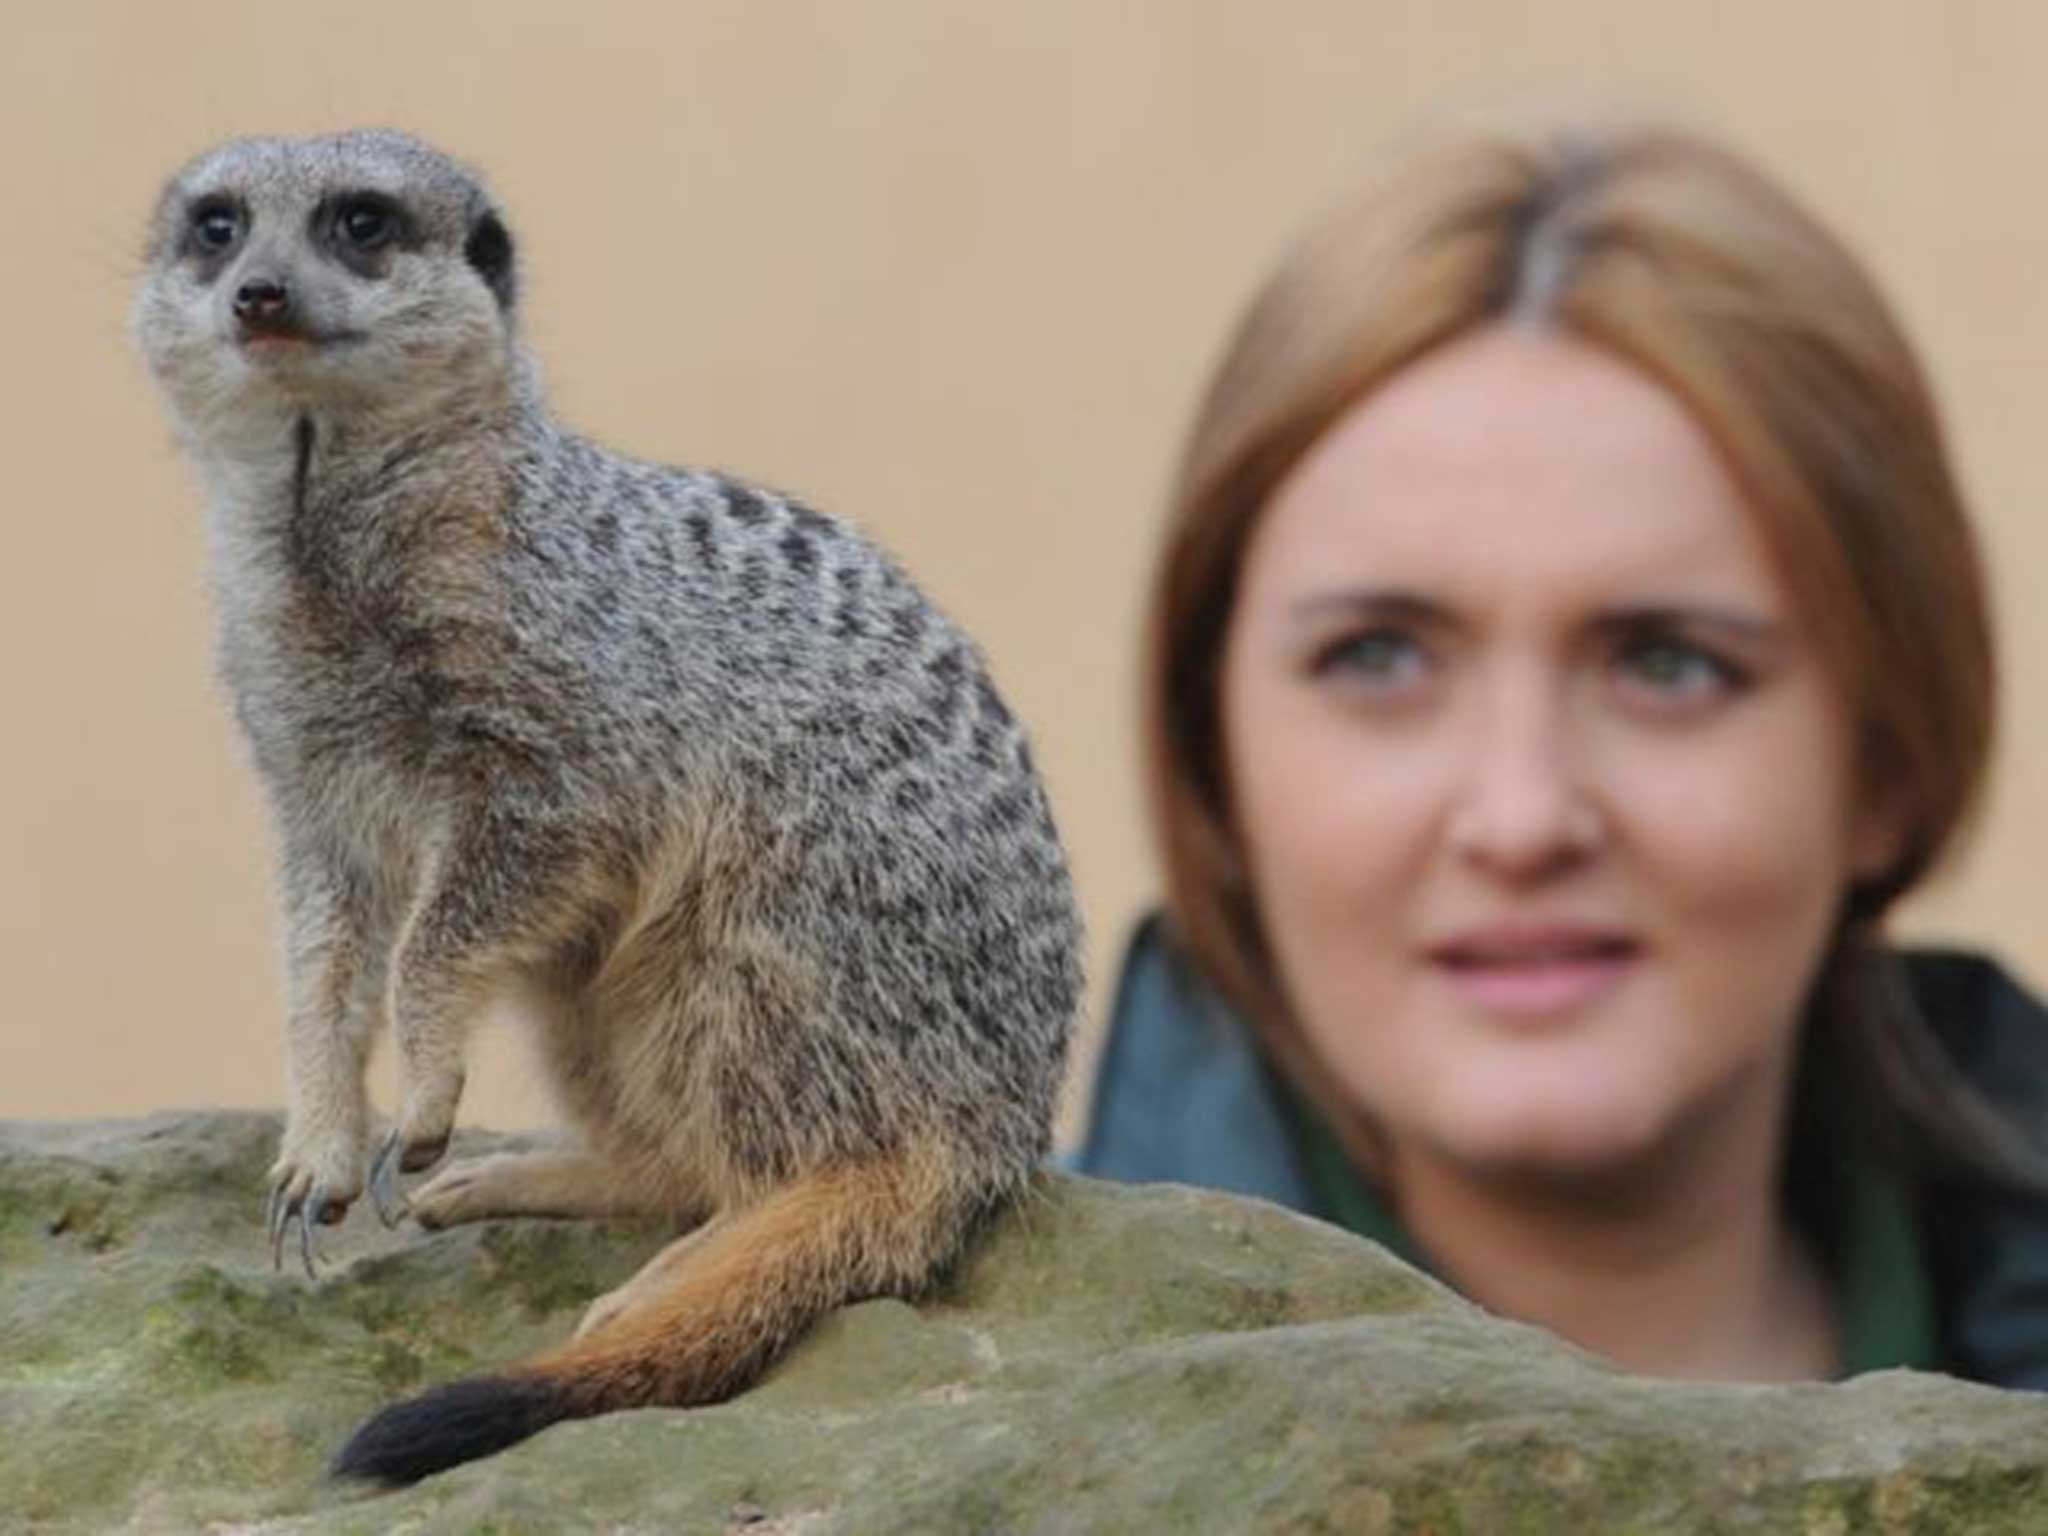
(106, 1439)
(543, 1269)
(60, 1202)
(396, 1367)
(1987, 1499)
(213, 1330)
(18, 1223)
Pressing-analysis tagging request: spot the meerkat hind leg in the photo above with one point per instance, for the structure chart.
(564, 1184)
(648, 1281)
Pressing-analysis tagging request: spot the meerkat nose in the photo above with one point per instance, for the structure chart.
(261, 301)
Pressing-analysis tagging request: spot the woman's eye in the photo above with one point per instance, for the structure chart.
(1673, 671)
(365, 225)
(1376, 658)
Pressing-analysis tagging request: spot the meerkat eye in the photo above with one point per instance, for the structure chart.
(366, 223)
(215, 225)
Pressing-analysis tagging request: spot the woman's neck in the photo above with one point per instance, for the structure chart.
(1693, 1271)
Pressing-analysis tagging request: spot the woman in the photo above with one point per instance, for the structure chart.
(1567, 645)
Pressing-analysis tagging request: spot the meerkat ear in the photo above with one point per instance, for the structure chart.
(489, 250)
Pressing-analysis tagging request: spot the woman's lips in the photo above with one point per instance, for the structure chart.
(1535, 973)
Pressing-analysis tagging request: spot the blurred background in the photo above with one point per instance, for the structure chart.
(954, 270)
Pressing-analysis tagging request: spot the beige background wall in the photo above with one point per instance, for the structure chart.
(955, 269)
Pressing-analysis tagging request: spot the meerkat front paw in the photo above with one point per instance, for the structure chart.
(417, 1142)
(397, 1155)
(312, 1183)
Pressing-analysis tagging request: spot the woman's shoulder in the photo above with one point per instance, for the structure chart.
(1993, 1028)
(1182, 1093)
(1987, 1239)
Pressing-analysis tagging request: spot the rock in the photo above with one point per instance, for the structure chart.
(1107, 1359)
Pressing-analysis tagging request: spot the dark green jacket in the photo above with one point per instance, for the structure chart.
(1184, 1095)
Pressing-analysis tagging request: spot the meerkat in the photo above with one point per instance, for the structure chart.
(693, 765)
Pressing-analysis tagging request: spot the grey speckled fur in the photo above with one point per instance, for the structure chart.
(693, 767)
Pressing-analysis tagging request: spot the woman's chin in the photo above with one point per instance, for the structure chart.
(1569, 1145)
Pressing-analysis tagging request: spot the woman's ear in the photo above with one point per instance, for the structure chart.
(1882, 827)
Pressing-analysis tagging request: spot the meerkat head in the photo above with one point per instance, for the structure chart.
(360, 271)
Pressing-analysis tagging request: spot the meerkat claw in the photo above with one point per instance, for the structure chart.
(284, 1209)
(385, 1193)
(311, 1212)
(274, 1220)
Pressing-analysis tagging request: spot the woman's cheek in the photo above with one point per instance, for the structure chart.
(1738, 861)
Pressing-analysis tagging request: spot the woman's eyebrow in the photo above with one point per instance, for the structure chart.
(1388, 605)
(1732, 622)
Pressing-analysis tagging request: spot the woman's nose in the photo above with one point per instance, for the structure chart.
(1524, 811)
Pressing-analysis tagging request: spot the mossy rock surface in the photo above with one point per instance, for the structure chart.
(1107, 1359)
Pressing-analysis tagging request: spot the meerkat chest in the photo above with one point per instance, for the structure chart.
(381, 824)
(342, 736)
(338, 770)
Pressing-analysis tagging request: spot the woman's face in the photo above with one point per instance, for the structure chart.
(1546, 798)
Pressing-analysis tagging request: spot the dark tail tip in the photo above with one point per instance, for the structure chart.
(449, 1425)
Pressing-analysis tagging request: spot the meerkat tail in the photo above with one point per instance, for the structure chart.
(704, 1323)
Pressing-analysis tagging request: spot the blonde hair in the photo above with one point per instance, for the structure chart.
(1685, 261)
